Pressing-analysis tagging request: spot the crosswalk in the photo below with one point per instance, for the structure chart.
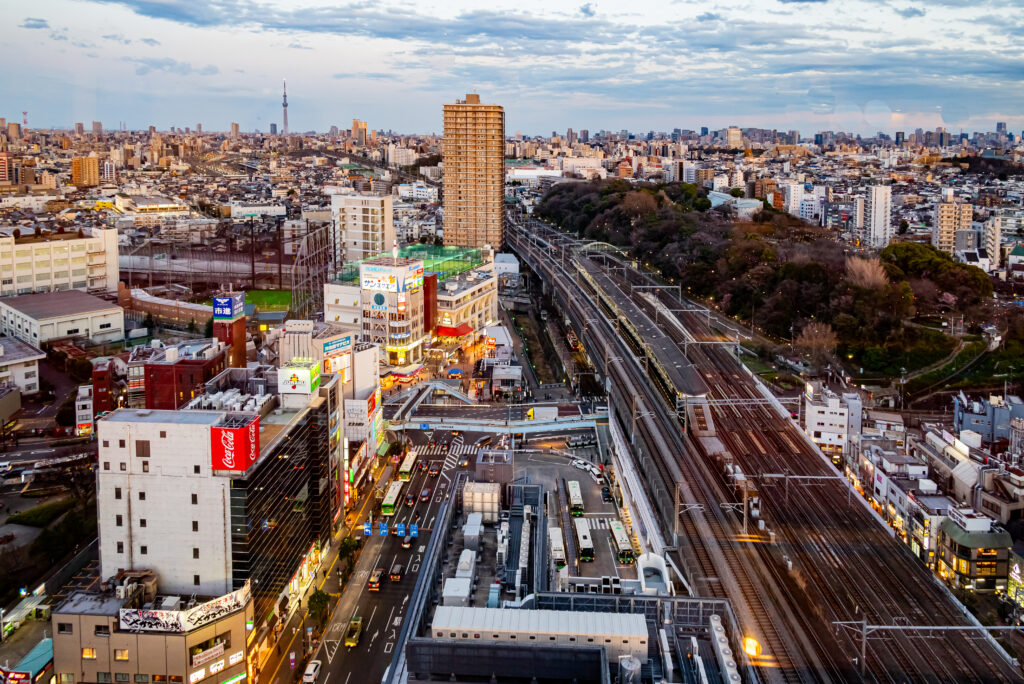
(599, 523)
(456, 450)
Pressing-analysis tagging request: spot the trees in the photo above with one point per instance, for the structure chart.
(817, 341)
(208, 328)
(318, 603)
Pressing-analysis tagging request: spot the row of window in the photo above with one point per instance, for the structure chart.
(533, 637)
(69, 678)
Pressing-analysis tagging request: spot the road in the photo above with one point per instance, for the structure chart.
(848, 566)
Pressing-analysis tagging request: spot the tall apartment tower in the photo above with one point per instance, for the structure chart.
(97, 128)
(363, 226)
(359, 132)
(85, 171)
(474, 173)
(878, 215)
(950, 216)
(284, 108)
(234, 129)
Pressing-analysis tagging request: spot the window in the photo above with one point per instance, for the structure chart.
(144, 550)
(195, 552)
(106, 443)
(159, 678)
(117, 492)
(124, 466)
(195, 469)
(141, 679)
(120, 547)
(195, 580)
(65, 628)
(101, 630)
(121, 654)
(142, 496)
(174, 679)
(120, 443)
(195, 499)
(195, 525)
(122, 676)
(64, 678)
(142, 522)
(106, 465)
(118, 520)
(145, 466)
(88, 654)
(163, 434)
(142, 448)
(102, 677)
(104, 326)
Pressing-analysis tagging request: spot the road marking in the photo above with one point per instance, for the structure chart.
(371, 617)
(348, 678)
(389, 647)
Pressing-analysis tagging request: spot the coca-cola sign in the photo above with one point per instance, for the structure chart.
(235, 448)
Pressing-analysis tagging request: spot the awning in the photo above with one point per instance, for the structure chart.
(458, 331)
(383, 448)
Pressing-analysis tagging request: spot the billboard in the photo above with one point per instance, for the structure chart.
(338, 345)
(377, 278)
(299, 377)
(180, 621)
(235, 447)
(229, 308)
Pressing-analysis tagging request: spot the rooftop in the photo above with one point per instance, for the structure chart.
(126, 415)
(14, 351)
(446, 261)
(54, 304)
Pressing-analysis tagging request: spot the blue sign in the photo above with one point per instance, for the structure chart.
(414, 530)
(367, 529)
(400, 531)
(229, 308)
(383, 530)
(338, 345)
(424, 426)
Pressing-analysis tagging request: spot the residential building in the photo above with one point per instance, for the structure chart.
(19, 364)
(234, 130)
(363, 226)
(59, 261)
(878, 216)
(974, 552)
(176, 375)
(466, 304)
(85, 172)
(733, 138)
(83, 411)
(989, 417)
(474, 173)
(950, 217)
(831, 420)
(71, 314)
(359, 136)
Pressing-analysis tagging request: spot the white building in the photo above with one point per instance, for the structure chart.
(505, 263)
(242, 210)
(830, 419)
(19, 364)
(417, 192)
(83, 411)
(59, 261)
(363, 225)
(467, 303)
(878, 216)
(38, 318)
(793, 197)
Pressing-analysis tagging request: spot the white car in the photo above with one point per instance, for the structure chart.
(582, 465)
(311, 673)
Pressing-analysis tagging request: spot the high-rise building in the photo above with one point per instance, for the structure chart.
(950, 216)
(97, 128)
(199, 128)
(363, 226)
(5, 167)
(85, 171)
(733, 138)
(1001, 127)
(899, 138)
(14, 130)
(359, 132)
(79, 128)
(273, 129)
(474, 173)
(584, 135)
(703, 130)
(234, 130)
(878, 215)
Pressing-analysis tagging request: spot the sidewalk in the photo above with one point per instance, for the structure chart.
(278, 669)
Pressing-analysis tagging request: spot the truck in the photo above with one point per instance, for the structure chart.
(355, 629)
(542, 413)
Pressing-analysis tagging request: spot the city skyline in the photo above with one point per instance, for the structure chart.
(863, 67)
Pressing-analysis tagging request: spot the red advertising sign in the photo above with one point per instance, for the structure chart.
(235, 448)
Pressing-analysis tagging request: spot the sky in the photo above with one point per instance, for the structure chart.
(852, 65)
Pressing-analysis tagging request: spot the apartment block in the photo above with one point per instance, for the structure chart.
(59, 261)
(474, 173)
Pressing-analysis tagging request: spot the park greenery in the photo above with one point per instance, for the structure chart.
(783, 275)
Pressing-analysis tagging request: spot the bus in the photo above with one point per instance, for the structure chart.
(557, 547)
(405, 470)
(387, 507)
(575, 498)
(623, 547)
(584, 546)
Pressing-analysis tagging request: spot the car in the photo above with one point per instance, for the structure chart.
(311, 673)
(444, 447)
(410, 499)
(464, 460)
(355, 629)
(407, 541)
(435, 470)
(483, 441)
(582, 465)
(425, 494)
(423, 465)
(396, 573)
(456, 433)
(374, 583)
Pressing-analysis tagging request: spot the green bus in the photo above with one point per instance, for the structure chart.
(387, 507)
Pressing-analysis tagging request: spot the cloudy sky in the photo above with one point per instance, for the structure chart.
(860, 65)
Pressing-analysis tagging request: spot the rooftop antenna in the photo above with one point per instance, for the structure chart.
(394, 252)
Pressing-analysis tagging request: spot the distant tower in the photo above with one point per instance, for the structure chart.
(284, 106)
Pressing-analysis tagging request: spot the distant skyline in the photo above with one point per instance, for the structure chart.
(857, 65)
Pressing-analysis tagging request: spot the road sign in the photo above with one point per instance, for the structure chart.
(424, 426)
(383, 530)
(414, 530)
(400, 531)
(367, 529)
(291, 659)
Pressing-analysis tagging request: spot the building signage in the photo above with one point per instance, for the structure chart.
(217, 666)
(228, 308)
(401, 303)
(1014, 584)
(337, 346)
(236, 658)
(209, 654)
(235, 447)
(378, 278)
(197, 676)
(180, 621)
(12, 677)
(299, 377)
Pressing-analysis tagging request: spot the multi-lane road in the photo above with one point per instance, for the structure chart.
(847, 566)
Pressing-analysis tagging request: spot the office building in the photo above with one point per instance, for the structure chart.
(950, 217)
(733, 138)
(234, 130)
(85, 172)
(79, 129)
(175, 375)
(878, 216)
(70, 314)
(363, 226)
(273, 129)
(359, 136)
(59, 261)
(474, 173)
(97, 128)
